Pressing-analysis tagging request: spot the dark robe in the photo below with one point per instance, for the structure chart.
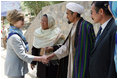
(43, 70)
(84, 43)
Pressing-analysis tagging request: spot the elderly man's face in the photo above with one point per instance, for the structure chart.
(70, 16)
(44, 23)
(96, 17)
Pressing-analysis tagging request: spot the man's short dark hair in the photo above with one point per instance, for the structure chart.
(103, 5)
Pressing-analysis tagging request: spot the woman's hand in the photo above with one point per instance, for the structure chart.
(49, 49)
(43, 59)
(32, 66)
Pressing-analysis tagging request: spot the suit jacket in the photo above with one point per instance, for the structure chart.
(16, 58)
(101, 58)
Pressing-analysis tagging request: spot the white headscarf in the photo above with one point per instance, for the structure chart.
(74, 7)
(48, 37)
(51, 21)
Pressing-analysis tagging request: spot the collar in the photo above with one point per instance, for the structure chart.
(78, 21)
(104, 25)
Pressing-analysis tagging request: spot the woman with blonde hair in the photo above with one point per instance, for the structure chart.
(17, 46)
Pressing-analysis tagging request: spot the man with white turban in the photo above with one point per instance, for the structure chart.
(78, 44)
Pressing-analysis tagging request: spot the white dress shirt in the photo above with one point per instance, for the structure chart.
(104, 25)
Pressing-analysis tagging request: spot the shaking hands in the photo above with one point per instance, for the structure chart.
(44, 58)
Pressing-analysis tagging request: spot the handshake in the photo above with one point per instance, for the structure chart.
(44, 58)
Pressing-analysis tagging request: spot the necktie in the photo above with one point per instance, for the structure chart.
(98, 34)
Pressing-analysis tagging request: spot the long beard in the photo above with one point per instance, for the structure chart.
(69, 22)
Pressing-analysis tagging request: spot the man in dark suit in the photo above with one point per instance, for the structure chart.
(101, 58)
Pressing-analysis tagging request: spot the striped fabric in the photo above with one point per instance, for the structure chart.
(85, 38)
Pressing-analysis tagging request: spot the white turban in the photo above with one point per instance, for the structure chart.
(74, 7)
